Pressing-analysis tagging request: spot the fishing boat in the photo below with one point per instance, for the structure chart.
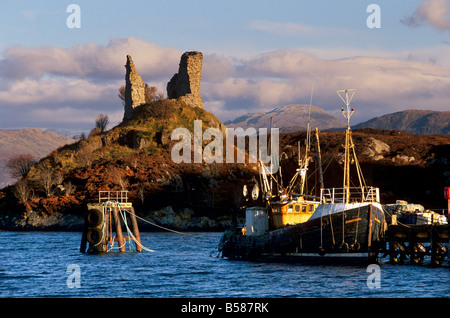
(343, 224)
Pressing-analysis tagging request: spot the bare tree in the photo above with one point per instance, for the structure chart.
(47, 179)
(85, 156)
(151, 94)
(82, 136)
(102, 122)
(141, 192)
(20, 165)
(69, 189)
(122, 94)
(22, 191)
(115, 176)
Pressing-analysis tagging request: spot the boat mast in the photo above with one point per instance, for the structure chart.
(304, 169)
(319, 159)
(346, 96)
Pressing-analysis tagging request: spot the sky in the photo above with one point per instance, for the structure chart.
(258, 55)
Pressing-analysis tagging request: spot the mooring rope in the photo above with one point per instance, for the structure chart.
(130, 234)
(136, 241)
(154, 224)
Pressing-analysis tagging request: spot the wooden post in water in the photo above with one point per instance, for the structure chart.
(135, 230)
(119, 234)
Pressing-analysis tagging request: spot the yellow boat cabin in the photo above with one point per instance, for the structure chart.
(292, 212)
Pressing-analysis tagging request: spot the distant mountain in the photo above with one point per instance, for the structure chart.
(34, 141)
(288, 118)
(74, 134)
(423, 122)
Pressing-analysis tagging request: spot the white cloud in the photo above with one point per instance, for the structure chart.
(61, 85)
(54, 91)
(285, 77)
(90, 60)
(432, 12)
(54, 85)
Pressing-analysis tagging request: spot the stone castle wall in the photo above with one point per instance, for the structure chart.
(134, 89)
(185, 85)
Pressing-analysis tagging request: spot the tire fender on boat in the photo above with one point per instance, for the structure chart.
(356, 246)
(344, 247)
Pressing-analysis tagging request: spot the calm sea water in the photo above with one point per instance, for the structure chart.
(40, 264)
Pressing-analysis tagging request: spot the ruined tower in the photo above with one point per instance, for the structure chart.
(134, 89)
(185, 85)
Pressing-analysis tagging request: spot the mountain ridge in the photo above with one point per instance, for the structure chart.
(288, 118)
(422, 122)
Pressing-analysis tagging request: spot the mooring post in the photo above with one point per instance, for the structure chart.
(135, 230)
(434, 248)
(107, 212)
(119, 234)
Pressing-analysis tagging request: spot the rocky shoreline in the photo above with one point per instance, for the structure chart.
(183, 220)
(165, 219)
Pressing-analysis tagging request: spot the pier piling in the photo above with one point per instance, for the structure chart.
(416, 242)
(105, 215)
(119, 233)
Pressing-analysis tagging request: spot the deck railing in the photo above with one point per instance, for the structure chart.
(347, 195)
(117, 196)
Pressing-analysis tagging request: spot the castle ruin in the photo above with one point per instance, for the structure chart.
(185, 85)
(134, 89)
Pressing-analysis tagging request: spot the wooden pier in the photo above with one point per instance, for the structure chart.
(417, 241)
(109, 214)
(430, 238)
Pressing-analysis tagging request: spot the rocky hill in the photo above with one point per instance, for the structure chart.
(133, 156)
(288, 118)
(424, 122)
(34, 141)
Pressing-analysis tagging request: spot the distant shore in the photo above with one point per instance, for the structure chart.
(74, 223)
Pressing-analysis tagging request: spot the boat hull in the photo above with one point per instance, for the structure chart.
(350, 235)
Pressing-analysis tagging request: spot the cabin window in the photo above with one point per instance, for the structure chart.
(304, 208)
(297, 208)
(311, 208)
(289, 208)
